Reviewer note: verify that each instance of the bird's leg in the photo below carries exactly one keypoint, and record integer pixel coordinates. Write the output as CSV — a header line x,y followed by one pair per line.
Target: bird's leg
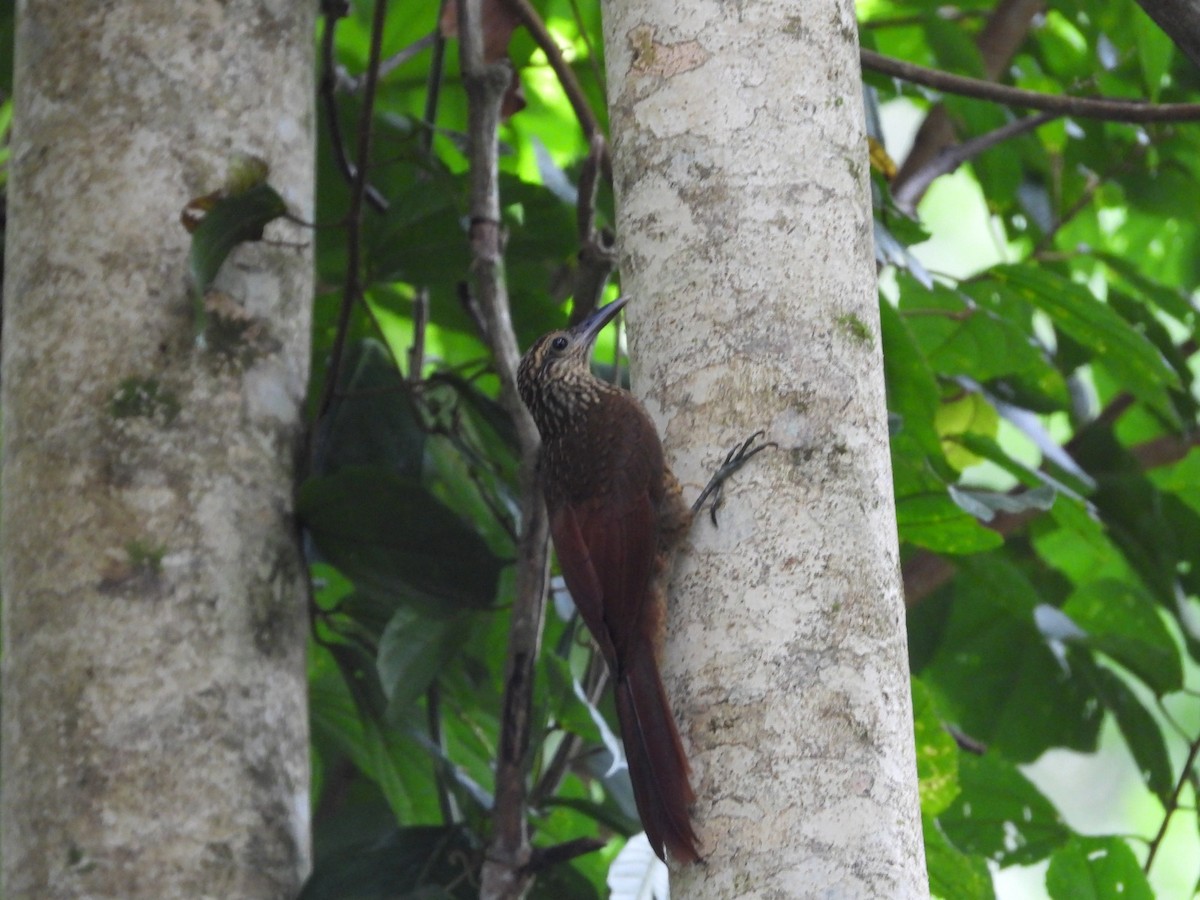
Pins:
x,y
736,458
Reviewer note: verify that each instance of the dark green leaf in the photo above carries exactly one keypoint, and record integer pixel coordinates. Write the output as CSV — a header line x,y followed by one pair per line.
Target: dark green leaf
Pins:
x,y
994,675
1000,814
412,651
1141,731
1116,344
953,875
1121,621
1096,868
409,863
231,221
394,540
372,420
911,387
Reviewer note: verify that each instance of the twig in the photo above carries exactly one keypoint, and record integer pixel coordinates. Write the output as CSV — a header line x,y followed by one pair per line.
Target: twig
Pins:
x,y
1002,35
433,716
950,158
1173,803
416,352
352,292
503,874
548,857
328,92
566,75
433,90
1084,200
1104,108
597,247
396,60
593,59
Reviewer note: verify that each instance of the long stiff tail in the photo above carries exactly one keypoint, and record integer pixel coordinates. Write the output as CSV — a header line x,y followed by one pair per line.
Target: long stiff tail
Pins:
x,y
657,765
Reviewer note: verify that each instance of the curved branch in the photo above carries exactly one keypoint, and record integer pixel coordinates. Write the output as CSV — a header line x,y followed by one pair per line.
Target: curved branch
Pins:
x,y
566,75
1104,108
1173,803
907,194
504,873
360,192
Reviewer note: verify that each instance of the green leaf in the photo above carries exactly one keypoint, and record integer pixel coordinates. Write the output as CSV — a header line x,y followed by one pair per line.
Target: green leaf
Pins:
x,y
412,652
1121,621
397,542
936,522
1138,727
1001,815
994,675
231,221
1122,349
425,862
422,238
372,420
1155,50
953,875
937,754
1096,868
970,339
911,387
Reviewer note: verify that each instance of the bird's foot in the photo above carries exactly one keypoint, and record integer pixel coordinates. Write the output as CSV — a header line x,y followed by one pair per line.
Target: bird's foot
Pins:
x,y
736,458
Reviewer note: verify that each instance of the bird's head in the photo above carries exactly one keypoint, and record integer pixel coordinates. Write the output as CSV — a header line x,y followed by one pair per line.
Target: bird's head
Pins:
x,y
555,376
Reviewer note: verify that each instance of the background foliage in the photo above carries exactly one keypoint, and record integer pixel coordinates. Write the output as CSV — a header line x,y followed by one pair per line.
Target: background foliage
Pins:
x,y
1043,412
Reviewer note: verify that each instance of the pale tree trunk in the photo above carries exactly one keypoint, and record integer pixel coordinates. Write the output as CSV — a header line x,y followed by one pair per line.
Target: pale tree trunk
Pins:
x,y
745,227
154,726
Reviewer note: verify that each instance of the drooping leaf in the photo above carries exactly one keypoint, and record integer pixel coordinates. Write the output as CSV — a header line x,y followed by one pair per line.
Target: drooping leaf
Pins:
x,y
953,875
232,220
1121,621
1141,732
412,651
426,862
1096,868
937,754
1113,341
994,674
1000,814
396,541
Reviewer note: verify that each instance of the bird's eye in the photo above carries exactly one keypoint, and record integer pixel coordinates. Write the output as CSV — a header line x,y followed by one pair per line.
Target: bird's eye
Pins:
x,y
559,343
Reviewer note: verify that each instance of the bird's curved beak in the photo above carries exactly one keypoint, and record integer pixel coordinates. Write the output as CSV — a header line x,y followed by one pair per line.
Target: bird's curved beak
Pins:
x,y
594,324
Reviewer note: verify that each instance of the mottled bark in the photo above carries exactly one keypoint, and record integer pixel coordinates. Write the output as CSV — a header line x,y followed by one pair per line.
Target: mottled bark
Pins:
x,y
155,733
744,221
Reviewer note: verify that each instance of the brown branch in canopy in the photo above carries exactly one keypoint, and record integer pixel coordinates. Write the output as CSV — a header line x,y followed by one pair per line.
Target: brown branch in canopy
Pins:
x,y
1105,108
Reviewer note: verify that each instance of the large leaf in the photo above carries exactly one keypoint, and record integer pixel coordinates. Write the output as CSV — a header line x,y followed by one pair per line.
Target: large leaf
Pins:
x,y
412,652
1112,340
1121,621
953,875
417,863
1141,731
1096,868
937,754
1001,815
372,420
396,541
996,677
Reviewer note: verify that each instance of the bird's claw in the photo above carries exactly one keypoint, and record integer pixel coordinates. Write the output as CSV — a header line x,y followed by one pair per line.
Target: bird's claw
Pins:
x,y
736,458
